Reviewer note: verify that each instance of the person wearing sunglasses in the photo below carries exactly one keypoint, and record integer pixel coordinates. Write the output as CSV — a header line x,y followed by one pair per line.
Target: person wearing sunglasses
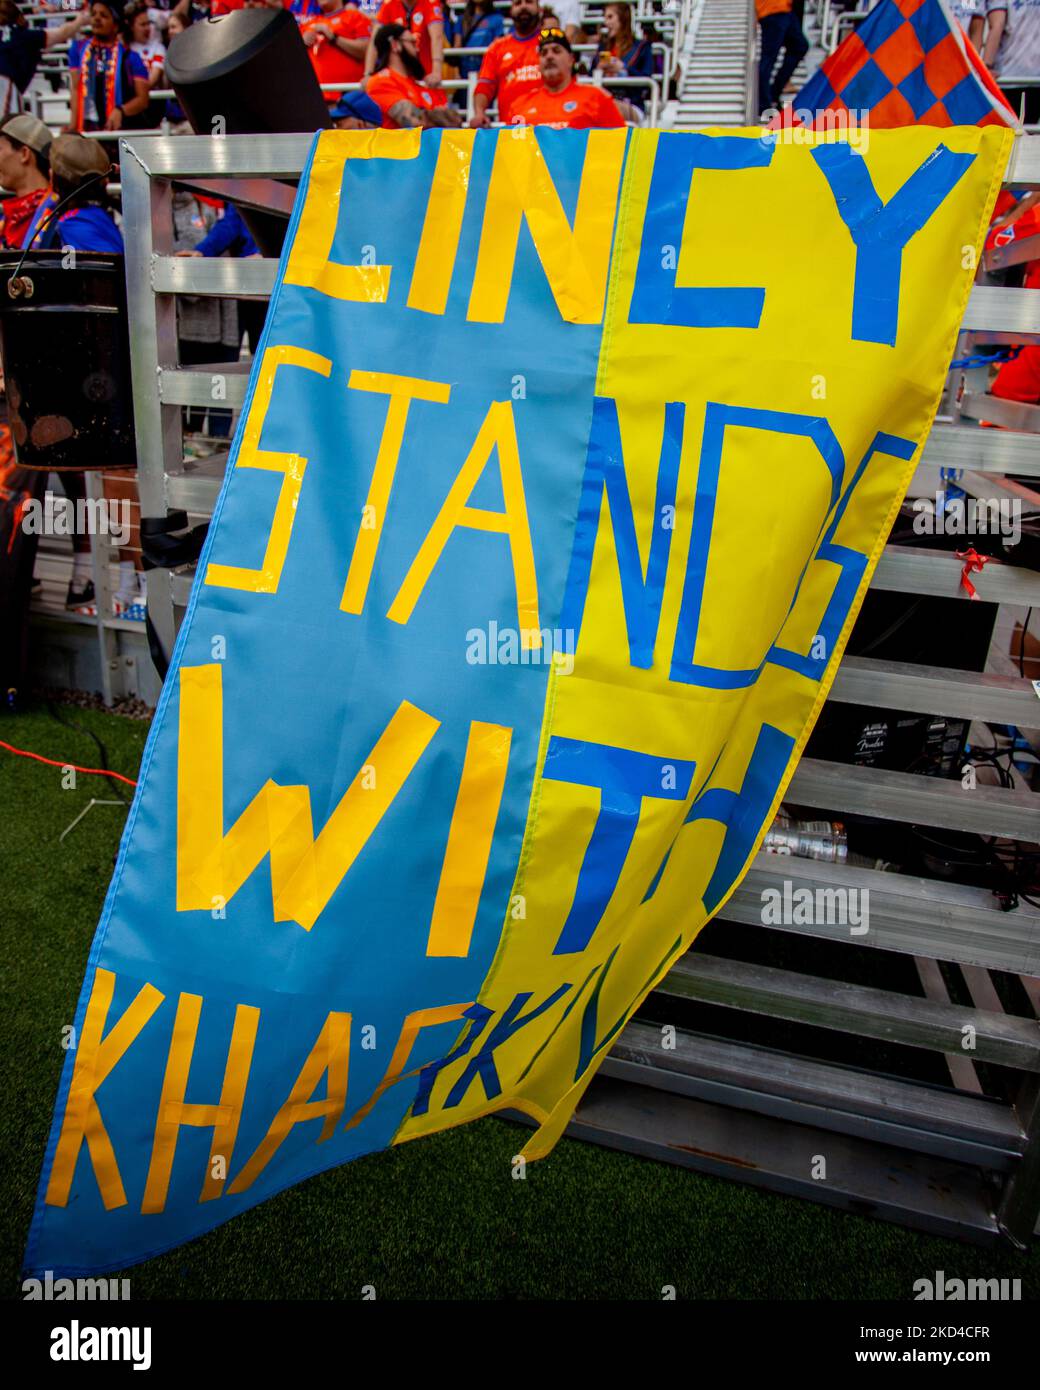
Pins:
x,y
560,101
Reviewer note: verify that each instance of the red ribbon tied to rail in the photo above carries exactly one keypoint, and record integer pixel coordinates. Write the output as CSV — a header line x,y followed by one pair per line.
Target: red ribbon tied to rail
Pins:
x,y
973,563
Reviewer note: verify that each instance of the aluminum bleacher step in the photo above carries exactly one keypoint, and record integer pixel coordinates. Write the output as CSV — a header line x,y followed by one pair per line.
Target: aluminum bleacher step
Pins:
x,y
953,922
715,67
917,800
866,1012
840,1099
994,699
861,1176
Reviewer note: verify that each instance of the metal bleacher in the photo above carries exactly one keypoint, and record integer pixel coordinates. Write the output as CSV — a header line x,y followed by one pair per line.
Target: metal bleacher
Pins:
x,y
717,66
765,1103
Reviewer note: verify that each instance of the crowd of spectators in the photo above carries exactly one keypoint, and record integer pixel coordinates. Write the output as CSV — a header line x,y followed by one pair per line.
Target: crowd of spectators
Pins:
x,y
394,50
57,186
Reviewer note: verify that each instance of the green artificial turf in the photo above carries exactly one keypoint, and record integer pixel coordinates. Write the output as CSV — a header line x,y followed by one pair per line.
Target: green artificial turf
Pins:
x,y
438,1218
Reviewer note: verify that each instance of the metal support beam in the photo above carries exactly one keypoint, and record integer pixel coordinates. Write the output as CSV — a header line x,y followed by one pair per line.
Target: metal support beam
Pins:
x,y
907,796
844,1100
936,691
861,1176
911,915
148,229
870,1013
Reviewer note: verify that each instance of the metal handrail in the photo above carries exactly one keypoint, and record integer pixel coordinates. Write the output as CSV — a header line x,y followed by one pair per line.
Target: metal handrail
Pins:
x,y
751,98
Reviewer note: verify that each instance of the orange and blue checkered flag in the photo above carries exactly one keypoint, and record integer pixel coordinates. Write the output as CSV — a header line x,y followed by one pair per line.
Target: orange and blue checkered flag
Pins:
x,y
908,63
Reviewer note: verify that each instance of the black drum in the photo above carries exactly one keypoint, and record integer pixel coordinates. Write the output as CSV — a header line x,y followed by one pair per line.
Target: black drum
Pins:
x,y
65,347
246,73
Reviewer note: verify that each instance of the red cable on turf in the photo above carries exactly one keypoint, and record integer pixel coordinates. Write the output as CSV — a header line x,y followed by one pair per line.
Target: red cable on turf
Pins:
x,y
93,771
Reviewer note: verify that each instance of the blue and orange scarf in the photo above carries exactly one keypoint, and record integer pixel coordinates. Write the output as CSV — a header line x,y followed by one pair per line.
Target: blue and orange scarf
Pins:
x,y
109,61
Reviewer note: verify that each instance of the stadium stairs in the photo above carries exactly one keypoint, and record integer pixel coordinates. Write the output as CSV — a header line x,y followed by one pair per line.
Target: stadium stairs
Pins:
x,y
718,65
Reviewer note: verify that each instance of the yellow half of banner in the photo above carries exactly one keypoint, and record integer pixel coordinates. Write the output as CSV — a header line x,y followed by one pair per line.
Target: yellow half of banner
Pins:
x,y
748,478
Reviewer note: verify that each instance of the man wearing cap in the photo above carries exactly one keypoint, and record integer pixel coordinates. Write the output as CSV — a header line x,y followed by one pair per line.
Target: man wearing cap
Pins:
x,y
337,42
109,81
74,214
25,144
356,111
397,85
560,101
510,68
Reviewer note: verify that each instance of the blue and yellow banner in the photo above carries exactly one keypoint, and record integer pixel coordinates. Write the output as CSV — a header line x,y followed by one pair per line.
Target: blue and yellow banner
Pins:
x,y
565,461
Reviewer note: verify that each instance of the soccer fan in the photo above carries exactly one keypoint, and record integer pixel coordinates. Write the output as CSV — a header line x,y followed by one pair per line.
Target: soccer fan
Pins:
x,y
567,16
397,85
560,101
109,81
143,37
337,42
228,236
231,237
222,7
1012,49
1019,379
970,15
20,49
82,222
207,326
25,171
621,54
172,109
480,26
510,68
781,29
356,111
425,19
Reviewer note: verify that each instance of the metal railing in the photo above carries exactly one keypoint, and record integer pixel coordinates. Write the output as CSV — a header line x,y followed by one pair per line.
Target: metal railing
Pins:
x,y
649,85
751,103
655,86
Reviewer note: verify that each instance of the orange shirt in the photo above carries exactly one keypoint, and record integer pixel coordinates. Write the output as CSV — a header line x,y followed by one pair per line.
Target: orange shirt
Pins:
x,y
764,8
575,108
418,18
510,70
331,64
386,88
